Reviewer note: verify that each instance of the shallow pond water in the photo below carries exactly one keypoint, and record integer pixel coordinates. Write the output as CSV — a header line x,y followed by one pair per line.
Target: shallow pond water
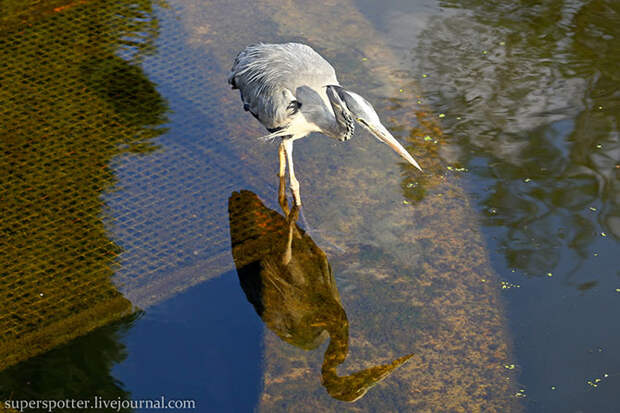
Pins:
x,y
144,250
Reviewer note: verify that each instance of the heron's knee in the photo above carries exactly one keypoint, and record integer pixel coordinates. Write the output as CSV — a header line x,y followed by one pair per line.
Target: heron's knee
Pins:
x,y
294,184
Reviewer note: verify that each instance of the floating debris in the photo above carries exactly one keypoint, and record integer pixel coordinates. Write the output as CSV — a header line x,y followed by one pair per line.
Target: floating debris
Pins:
x,y
509,366
520,393
428,138
484,52
552,387
406,202
442,115
603,234
508,285
527,180
549,274
364,59
424,75
599,146
502,43
592,209
401,90
618,290
458,118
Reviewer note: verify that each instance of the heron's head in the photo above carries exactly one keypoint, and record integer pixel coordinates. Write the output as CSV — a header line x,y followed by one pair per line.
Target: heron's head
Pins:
x,y
349,106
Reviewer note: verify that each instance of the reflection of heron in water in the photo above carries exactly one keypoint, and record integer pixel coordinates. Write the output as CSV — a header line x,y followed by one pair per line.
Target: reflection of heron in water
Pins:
x,y
289,281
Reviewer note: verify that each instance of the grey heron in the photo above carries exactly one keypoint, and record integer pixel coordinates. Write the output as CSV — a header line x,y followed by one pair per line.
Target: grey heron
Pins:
x,y
293,91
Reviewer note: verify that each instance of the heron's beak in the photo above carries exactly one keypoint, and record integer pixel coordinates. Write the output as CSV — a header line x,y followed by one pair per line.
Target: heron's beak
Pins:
x,y
385,136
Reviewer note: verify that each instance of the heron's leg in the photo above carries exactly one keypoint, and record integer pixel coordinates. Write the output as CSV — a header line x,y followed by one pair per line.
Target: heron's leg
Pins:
x,y
282,188
282,158
294,183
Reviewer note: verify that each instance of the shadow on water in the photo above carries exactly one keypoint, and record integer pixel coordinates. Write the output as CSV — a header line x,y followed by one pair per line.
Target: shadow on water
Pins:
x,y
290,283
72,98
80,370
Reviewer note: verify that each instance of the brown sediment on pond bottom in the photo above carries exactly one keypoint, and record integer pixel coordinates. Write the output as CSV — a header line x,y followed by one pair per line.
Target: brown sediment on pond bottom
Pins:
x,y
415,277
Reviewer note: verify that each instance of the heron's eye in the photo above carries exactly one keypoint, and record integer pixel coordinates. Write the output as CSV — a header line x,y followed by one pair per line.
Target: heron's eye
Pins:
x,y
293,107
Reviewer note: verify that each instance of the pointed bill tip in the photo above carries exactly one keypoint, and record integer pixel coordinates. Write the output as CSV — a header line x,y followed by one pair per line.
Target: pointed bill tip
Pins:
x,y
413,162
387,138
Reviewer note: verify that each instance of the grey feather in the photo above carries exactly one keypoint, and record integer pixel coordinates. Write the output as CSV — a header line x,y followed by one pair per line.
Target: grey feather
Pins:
x,y
269,74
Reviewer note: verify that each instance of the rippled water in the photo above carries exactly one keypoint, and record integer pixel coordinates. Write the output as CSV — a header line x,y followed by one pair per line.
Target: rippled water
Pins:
x,y
145,252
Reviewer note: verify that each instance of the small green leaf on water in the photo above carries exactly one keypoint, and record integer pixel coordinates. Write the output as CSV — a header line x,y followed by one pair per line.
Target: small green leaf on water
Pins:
x,y
364,59
502,43
605,375
600,108
599,146
552,387
458,118
449,168
442,115
527,180
618,290
549,274
425,75
428,138
401,90
419,101
592,209
603,234
484,52
596,254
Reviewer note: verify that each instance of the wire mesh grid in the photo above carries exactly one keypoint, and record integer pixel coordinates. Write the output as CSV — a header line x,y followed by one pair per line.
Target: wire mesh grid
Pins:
x,y
100,201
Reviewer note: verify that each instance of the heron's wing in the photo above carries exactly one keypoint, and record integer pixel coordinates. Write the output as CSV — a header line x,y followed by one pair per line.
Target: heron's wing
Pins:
x,y
268,74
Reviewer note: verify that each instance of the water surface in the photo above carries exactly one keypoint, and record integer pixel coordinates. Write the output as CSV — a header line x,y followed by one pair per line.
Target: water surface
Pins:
x,y
496,269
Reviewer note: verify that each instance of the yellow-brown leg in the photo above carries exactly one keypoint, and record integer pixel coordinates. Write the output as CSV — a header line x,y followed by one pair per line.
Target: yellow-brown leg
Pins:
x,y
282,174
